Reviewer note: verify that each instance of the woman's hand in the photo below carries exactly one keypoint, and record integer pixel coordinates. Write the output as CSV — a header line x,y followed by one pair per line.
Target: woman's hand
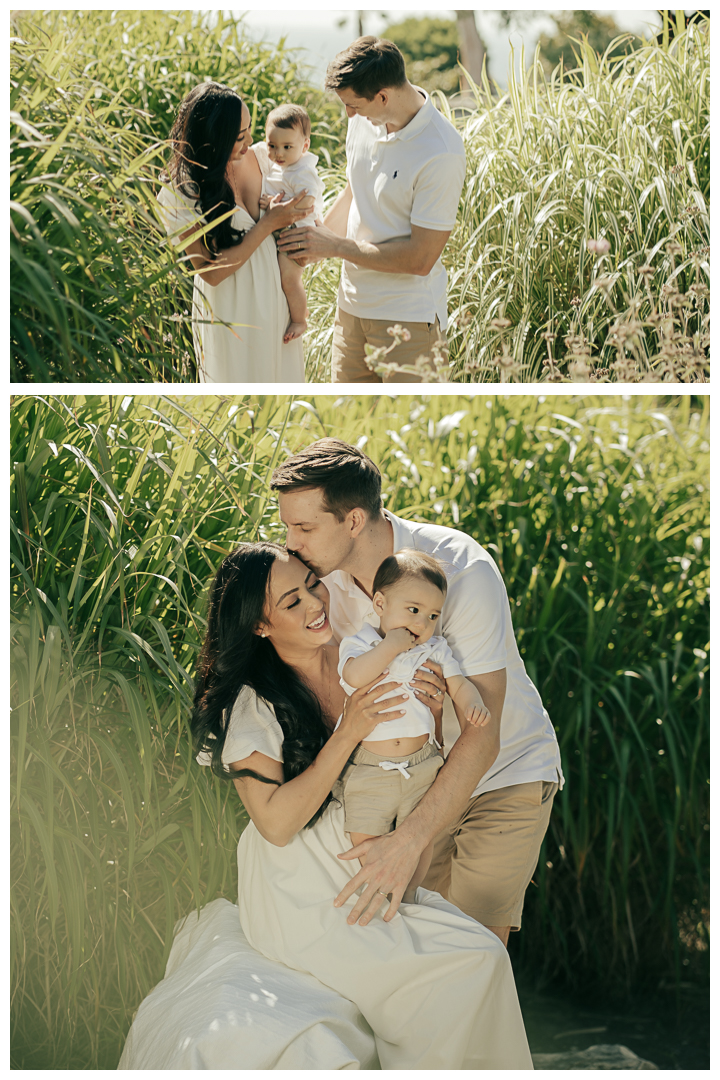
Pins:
x,y
283,214
363,710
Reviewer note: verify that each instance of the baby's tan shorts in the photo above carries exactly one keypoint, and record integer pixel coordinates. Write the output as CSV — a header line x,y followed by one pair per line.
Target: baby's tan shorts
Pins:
x,y
377,800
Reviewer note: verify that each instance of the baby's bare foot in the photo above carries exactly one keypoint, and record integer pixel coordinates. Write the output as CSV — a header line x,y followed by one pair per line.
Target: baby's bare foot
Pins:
x,y
294,330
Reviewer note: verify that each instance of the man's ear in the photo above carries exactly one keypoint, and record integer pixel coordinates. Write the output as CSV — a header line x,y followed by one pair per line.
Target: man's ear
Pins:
x,y
358,520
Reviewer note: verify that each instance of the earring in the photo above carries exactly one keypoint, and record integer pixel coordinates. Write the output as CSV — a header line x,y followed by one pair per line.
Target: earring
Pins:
x,y
263,634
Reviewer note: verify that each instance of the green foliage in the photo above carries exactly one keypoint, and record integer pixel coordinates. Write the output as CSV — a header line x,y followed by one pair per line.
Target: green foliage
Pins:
x,y
596,511
431,50
598,28
96,291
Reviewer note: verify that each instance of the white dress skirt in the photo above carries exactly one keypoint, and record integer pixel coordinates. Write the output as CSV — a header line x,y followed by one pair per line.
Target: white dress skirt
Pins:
x,y
291,985
238,325
435,987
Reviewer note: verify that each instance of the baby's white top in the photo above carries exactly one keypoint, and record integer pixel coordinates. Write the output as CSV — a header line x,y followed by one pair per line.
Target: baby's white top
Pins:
x,y
292,179
418,720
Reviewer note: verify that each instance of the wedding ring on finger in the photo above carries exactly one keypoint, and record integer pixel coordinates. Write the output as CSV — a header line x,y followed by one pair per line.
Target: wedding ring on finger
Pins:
x,y
383,893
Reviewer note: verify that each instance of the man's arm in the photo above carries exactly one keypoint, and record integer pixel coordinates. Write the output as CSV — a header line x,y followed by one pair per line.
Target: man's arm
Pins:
x,y
336,218
390,860
415,254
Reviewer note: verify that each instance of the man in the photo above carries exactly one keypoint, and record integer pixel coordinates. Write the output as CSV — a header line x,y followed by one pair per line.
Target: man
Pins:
x,y
405,172
489,807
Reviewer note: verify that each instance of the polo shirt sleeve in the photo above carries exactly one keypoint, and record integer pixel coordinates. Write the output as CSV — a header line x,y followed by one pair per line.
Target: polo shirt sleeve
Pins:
x,y
476,617
437,192
252,728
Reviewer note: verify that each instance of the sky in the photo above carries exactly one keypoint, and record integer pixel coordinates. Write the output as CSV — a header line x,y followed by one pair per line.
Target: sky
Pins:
x,y
319,33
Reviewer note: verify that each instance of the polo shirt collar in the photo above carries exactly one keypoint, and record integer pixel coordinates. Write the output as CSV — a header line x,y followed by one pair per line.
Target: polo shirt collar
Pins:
x,y
418,122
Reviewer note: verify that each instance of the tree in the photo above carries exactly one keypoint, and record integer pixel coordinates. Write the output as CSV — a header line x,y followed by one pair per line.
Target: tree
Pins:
x,y
472,49
598,28
431,48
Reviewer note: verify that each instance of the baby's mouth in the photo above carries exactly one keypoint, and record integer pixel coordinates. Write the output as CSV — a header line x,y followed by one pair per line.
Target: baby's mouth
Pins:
x,y
319,623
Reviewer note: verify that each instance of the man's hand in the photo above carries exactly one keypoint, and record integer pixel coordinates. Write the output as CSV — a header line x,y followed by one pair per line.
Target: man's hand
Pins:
x,y
309,244
390,862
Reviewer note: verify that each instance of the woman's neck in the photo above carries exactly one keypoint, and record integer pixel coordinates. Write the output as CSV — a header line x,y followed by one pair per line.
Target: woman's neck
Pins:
x,y
318,670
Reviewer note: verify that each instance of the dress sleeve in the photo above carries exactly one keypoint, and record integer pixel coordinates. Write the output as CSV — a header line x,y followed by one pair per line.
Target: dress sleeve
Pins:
x,y
437,192
252,728
178,213
476,619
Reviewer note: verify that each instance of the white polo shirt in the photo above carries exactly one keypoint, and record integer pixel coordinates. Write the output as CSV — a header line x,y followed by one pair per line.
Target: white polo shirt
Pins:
x,y
477,625
412,176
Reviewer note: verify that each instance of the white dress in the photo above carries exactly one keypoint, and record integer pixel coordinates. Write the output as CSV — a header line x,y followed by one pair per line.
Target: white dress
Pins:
x,y
238,325
433,987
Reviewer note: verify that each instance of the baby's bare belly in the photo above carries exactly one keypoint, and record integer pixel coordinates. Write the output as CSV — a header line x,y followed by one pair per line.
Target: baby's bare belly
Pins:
x,y
396,747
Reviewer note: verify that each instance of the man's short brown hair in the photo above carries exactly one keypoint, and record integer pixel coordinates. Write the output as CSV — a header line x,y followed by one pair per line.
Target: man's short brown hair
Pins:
x,y
367,66
346,476
290,116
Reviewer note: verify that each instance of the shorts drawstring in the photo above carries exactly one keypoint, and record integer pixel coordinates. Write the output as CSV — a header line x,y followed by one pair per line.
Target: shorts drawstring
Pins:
x,y
401,767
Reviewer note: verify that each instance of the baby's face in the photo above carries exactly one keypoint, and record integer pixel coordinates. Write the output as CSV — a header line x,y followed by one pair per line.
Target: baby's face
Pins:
x,y
412,603
286,145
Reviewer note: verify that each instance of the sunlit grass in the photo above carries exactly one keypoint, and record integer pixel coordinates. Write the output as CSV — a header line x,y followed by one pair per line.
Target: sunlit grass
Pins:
x,y
596,511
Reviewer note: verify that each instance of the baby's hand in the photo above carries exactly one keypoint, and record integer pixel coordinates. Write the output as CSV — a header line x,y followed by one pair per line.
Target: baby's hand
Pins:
x,y
400,638
477,715
265,201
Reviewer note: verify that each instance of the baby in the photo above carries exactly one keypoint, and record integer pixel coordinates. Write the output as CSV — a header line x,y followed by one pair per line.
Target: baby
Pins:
x,y
287,168
390,771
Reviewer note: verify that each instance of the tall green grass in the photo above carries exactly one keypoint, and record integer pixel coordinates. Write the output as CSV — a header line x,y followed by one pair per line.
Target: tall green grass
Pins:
x,y
596,511
97,293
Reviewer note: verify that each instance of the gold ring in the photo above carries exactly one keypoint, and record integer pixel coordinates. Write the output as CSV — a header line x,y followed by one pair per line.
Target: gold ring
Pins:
x,y
383,893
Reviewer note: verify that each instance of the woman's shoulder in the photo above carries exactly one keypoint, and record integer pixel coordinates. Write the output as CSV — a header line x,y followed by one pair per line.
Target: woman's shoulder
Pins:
x,y
174,197
252,727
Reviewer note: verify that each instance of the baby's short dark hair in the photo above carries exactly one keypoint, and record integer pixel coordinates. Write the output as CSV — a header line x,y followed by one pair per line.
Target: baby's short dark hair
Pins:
x,y
290,116
409,563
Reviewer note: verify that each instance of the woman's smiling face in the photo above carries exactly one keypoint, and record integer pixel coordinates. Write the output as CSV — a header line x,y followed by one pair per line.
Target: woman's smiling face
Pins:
x,y
296,610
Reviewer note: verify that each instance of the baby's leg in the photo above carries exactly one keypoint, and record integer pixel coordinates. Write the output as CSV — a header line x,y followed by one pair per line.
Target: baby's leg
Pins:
x,y
292,286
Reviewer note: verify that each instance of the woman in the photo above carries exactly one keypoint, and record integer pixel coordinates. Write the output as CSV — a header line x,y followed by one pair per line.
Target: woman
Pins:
x,y
435,986
239,310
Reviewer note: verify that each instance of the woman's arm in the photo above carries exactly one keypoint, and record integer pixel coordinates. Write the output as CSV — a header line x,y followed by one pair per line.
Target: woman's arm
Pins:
x,y
231,259
280,812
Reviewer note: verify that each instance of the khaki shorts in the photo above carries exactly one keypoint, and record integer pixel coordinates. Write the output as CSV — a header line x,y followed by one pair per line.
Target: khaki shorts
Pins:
x,y
375,800
483,863
351,335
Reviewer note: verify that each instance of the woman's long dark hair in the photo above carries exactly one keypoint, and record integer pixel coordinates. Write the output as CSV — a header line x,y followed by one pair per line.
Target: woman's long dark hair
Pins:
x,y
203,136
234,656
